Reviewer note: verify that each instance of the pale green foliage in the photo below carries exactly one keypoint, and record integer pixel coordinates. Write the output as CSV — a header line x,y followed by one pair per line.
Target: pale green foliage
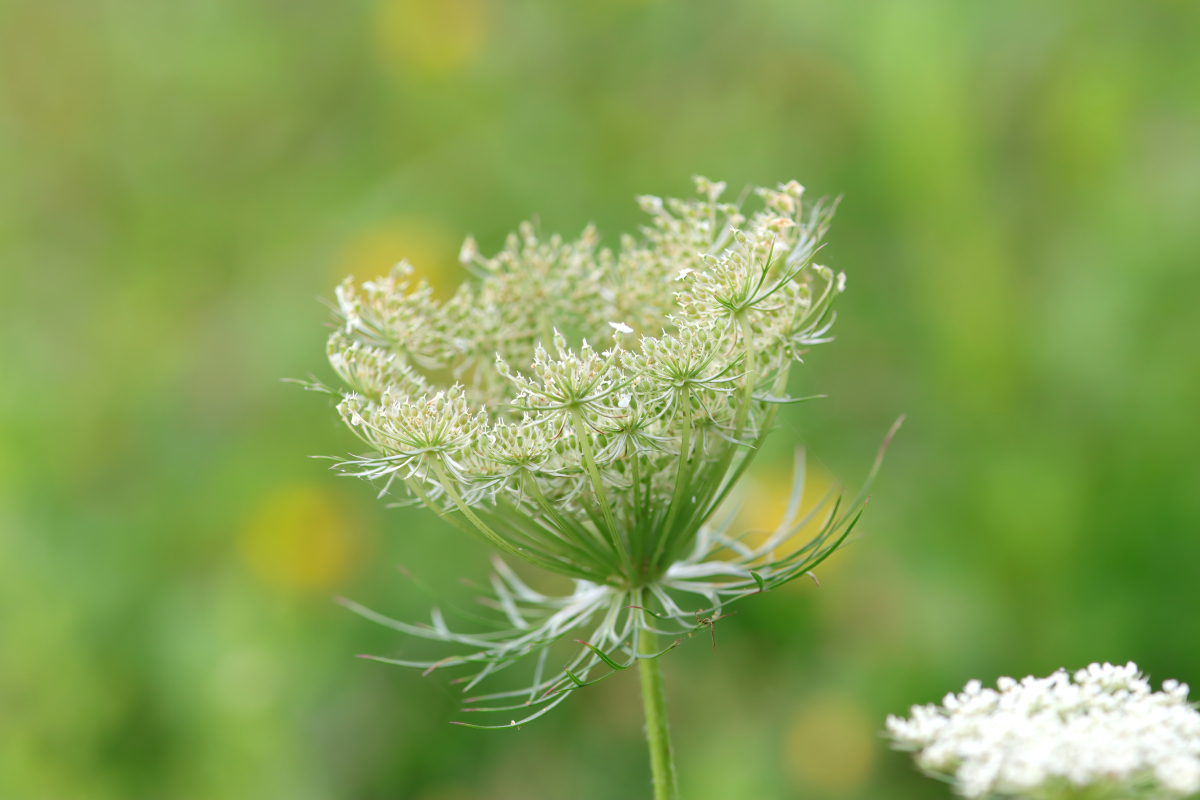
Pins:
x,y
589,411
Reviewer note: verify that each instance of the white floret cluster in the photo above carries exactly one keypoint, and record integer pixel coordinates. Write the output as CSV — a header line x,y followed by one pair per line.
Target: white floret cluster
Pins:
x,y
1106,733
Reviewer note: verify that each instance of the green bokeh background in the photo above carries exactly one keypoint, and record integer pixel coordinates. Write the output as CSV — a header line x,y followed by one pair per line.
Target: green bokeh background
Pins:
x,y
180,181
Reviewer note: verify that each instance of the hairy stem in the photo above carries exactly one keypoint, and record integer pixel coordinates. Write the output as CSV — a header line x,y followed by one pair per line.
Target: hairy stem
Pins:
x,y
654,700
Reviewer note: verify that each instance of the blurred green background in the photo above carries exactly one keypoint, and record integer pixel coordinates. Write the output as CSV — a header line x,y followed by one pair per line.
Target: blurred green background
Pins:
x,y
180,181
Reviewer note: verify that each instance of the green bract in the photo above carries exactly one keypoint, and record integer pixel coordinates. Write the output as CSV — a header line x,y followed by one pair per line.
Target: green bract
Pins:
x,y
589,411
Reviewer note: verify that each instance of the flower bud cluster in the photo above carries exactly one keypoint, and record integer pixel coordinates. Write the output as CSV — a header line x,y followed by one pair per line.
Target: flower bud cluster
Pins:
x,y
687,364
415,429
383,313
617,457
1106,731
589,409
519,446
569,383
371,371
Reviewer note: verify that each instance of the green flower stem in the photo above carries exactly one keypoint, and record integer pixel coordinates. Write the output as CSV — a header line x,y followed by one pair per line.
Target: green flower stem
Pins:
x,y
585,540
589,461
722,490
724,482
491,535
681,476
658,735
723,486
415,486
751,373
636,541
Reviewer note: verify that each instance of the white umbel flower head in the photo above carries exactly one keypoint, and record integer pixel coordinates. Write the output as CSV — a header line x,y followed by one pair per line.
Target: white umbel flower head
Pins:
x,y
589,411
1106,733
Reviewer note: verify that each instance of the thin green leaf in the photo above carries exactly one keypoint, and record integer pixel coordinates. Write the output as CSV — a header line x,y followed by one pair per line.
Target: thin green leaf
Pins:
x,y
602,655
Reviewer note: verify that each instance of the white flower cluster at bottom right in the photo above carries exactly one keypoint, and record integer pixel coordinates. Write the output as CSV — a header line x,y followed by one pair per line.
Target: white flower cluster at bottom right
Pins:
x,y
1047,737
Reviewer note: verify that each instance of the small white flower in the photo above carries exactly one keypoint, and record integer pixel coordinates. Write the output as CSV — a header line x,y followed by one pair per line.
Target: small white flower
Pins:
x,y
1051,737
620,327
683,273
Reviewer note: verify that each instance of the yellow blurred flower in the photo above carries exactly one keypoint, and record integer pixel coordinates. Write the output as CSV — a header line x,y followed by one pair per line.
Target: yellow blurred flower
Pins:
x,y
429,37
297,539
765,503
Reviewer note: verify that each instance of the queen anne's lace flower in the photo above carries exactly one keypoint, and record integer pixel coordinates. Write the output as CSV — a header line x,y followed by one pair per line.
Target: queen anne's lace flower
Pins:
x,y
1106,732
602,462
